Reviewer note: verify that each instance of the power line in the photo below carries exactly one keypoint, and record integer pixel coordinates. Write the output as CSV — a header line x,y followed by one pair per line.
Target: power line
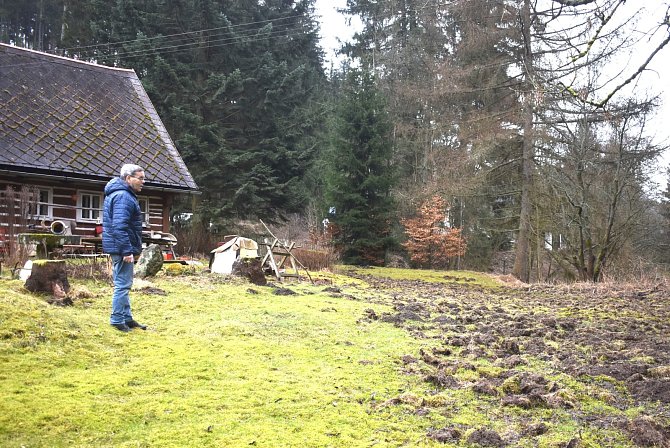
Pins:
x,y
177,47
221,42
186,34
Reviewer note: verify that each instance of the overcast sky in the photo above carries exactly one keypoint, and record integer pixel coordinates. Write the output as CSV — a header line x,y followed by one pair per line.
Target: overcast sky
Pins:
x,y
333,26
656,78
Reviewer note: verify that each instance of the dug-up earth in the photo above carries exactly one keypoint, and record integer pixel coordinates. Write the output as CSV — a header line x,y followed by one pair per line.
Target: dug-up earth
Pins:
x,y
593,359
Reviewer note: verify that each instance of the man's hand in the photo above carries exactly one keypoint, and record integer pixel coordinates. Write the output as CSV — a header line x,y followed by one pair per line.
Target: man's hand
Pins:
x,y
129,258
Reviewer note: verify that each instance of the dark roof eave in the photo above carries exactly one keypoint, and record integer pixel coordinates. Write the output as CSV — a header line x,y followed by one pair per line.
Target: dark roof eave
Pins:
x,y
101,180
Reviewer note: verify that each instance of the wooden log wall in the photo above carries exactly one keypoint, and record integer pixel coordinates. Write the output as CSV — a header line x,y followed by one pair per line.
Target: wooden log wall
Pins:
x,y
16,201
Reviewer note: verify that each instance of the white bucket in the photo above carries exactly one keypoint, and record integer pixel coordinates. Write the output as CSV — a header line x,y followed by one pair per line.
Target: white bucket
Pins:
x,y
26,270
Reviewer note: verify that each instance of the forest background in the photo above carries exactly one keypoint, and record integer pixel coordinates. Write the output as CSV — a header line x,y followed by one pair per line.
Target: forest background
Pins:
x,y
522,120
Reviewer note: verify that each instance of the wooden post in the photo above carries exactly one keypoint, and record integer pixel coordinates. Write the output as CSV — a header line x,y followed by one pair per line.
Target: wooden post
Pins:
x,y
284,250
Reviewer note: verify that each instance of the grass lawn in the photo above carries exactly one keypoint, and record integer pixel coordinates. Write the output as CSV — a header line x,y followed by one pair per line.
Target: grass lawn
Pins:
x,y
366,357
222,364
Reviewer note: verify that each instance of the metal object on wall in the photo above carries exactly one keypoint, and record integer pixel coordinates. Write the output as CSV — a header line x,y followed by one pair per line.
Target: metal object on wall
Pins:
x,y
61,227
58,227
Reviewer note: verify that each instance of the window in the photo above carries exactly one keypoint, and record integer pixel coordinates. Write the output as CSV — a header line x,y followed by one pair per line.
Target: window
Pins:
x,y
42,207
89,206
144,208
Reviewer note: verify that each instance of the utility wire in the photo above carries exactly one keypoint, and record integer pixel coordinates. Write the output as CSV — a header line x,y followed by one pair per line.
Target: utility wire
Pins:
x,y
186,34
162,50
220,42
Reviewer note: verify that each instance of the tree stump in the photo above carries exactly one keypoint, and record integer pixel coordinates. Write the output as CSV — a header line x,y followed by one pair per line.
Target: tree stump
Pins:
x,y
50,276
251,269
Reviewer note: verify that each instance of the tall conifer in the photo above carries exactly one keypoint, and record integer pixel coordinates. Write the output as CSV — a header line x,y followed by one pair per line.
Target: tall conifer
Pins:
x,y
361,174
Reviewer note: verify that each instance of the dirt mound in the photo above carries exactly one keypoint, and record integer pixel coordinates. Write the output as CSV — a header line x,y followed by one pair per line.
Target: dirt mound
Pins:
x,y
646,432
486,437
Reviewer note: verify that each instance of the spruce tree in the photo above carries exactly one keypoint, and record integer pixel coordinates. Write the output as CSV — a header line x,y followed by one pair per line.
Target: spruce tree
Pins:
x,y
237,85
361,175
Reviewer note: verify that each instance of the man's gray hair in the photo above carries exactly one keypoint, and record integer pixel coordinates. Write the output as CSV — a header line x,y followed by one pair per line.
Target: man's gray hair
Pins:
x,y
129,169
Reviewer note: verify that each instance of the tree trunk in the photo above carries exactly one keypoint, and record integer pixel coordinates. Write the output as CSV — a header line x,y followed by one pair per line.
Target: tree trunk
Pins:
x,y
539,245
40,28
522,254
63,25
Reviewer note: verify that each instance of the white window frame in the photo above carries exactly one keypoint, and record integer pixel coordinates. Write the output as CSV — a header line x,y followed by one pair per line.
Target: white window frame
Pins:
x,y
41,206
81,209
144,208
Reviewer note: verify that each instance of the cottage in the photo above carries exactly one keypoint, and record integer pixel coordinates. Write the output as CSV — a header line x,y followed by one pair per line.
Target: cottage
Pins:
x,y
66,127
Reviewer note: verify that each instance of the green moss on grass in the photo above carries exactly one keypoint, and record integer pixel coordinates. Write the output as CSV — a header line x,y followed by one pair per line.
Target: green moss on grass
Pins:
x,y
227,363
219,366
427,275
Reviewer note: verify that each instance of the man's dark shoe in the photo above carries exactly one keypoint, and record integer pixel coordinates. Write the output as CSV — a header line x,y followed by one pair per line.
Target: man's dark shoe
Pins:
x,y
122,327
135,324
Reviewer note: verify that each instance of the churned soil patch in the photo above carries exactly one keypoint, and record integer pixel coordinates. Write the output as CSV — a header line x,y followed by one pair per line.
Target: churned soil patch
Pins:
x,y
614,340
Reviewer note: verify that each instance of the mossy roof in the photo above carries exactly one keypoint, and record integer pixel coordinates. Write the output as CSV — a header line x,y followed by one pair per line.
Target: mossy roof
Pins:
x,y
69,118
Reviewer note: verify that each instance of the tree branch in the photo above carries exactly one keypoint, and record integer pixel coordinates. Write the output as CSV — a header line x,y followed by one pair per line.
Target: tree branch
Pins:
x,y
574,2
634,75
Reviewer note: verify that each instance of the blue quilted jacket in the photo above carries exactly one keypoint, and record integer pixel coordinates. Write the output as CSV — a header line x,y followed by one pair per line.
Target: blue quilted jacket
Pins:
x,y
121,219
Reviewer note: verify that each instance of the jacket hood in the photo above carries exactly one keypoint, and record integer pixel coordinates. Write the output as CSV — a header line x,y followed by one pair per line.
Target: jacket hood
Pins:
x,y
117,184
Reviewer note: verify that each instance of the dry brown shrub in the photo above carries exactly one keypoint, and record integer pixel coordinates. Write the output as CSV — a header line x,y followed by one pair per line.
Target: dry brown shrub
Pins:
x,y
626,275
194,240
637,271
430,242
296,228
94,268
17,206
316,260
509,280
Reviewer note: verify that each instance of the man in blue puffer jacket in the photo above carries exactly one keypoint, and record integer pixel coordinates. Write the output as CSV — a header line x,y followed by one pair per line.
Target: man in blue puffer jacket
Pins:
x,y
122,239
